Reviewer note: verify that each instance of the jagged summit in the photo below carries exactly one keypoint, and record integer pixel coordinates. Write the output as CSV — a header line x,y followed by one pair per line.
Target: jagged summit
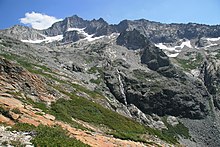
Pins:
x,y
154,31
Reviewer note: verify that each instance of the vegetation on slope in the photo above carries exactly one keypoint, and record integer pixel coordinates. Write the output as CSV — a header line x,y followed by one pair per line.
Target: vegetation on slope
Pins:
x,y
176,130
119,126
49,136
192,63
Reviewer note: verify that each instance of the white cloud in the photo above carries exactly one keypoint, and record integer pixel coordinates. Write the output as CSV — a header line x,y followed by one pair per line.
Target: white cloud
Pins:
x,y
38,21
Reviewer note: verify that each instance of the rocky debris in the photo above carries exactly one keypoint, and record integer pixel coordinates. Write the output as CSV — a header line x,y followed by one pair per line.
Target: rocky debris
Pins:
x,y
7,67
12,103
172,120
139,116
14,138
205,132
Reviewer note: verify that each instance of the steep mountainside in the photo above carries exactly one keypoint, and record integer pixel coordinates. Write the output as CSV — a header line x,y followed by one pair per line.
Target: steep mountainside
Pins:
x,y
149,82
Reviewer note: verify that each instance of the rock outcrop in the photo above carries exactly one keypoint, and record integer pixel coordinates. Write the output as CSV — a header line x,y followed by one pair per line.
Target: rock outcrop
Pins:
x,y
132,40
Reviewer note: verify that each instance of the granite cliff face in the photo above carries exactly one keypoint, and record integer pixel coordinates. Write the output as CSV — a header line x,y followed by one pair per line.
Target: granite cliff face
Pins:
x,y
154,73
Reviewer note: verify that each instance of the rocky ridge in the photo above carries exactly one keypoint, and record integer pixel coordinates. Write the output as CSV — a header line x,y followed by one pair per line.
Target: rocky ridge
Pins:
x,y
154,31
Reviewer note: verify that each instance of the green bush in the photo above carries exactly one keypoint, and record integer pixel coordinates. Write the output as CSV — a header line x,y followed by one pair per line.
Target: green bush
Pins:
x,y
16,110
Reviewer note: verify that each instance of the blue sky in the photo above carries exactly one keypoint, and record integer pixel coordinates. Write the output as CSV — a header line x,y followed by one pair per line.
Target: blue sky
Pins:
x,y
113,11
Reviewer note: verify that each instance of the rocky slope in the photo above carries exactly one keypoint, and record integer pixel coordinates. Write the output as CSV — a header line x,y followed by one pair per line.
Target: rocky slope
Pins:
x,y
164,76
24,97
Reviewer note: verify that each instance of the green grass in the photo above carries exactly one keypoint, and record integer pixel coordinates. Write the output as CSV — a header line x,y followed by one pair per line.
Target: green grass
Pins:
x,y
23,127
93,94
95,69
176,131
191,64
49,136
39,105
96,81
88,111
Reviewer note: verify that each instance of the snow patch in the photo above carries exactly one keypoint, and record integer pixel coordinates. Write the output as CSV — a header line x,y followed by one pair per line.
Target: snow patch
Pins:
x,y
172,55
213,39
162,46
173,51
46,40
75,29
211,45
87,36
186,43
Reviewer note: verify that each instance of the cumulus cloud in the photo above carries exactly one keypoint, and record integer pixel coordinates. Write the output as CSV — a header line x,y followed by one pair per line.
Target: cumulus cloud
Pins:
x,y
38,21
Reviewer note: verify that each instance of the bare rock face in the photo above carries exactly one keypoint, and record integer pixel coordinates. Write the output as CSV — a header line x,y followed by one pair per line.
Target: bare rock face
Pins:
x,y
164,97
154,57
72,36
61,27
132,40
